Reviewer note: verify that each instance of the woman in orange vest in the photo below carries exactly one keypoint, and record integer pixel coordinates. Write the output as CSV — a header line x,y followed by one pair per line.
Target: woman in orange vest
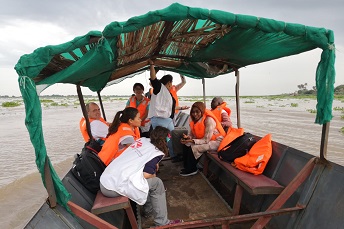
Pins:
x,y
123,131
173,91
206,133
140,102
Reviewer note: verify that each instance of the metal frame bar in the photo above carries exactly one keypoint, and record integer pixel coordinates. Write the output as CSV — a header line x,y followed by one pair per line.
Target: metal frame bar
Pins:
x,y
101,104
83,109
324,141
237,98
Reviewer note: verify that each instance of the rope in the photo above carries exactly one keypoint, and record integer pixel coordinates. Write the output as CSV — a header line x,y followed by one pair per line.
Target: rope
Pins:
x,y
22,81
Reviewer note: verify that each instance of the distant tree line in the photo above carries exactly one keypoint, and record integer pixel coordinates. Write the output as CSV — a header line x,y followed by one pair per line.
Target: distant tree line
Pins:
x,y
339,90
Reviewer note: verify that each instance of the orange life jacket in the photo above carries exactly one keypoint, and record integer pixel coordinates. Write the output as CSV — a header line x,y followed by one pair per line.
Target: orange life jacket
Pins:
x,y
142,107
218,110
110,148
257,158
83,128
173,92
231,135
198,128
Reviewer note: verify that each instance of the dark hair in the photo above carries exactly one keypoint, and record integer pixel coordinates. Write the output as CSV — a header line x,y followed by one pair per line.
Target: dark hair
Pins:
x,y
158,138
122,117
166,78
138,85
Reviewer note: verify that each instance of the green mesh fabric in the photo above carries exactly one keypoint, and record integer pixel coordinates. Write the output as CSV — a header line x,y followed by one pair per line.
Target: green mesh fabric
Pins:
x,y
251,40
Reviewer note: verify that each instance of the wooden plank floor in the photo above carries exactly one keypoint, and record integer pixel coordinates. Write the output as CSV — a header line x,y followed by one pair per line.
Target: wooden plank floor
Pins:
x,y
188,198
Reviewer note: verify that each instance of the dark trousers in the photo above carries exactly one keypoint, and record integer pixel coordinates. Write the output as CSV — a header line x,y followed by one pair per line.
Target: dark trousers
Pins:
x,y
190,162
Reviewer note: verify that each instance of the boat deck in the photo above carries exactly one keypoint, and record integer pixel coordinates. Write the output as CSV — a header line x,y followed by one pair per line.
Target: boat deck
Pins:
x,y
188,198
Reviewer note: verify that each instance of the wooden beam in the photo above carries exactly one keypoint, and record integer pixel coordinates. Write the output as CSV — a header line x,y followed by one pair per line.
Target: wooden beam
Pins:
x,y
168,28
127,70
89,217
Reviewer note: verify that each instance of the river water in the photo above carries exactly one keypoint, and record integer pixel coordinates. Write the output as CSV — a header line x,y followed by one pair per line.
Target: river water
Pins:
x,y
21,191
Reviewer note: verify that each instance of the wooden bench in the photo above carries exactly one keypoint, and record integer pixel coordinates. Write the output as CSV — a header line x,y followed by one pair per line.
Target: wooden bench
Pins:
x,y
104,204
253,184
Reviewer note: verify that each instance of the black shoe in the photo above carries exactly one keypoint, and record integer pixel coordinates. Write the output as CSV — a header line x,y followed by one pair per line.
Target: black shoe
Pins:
x,y
186,173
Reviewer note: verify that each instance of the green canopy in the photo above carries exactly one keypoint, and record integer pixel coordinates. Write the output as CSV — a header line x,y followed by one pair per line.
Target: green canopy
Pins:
x,y
198,43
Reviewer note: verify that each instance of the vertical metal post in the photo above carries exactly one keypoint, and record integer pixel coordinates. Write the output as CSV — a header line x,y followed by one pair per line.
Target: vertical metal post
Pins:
x,y
84,112
101,105
324,141
203,82
237,99
49,185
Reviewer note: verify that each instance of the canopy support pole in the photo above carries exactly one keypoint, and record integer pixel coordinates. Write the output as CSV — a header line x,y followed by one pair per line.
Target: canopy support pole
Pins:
x,y
84,112
237,99
101,104
49,185
203,83
324,140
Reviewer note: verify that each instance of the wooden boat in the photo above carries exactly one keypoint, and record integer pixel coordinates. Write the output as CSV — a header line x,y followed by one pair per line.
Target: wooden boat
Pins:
x,y
300,191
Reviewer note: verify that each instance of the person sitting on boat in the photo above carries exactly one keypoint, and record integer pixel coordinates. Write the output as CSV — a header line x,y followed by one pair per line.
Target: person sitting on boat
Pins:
x,y
221,112
123,131
174,89
133,174
99,127
206,133
139,101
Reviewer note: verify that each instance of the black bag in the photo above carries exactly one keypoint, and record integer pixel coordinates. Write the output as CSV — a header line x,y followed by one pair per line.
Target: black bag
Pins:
x,y
237,148
88,167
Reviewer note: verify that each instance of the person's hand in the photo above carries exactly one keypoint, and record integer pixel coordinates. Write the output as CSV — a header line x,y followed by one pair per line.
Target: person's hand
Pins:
x,y
184,107
186,139
150,62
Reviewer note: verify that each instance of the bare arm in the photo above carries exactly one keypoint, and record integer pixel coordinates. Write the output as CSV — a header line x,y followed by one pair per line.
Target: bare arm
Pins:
x,y
226,121
152,70
181,84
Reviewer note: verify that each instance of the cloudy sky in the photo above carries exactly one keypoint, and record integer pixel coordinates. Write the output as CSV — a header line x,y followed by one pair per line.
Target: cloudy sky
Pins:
x,y
27,25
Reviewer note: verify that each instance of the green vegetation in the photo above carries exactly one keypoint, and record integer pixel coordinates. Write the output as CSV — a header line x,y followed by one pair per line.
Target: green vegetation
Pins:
x,y
312,111
342,117
339,90
338,108
11,104
47,101
294,104
249,101
304,91
342,130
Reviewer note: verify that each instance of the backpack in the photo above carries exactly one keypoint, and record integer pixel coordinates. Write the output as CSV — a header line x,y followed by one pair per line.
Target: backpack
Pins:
x,y
237,148
88,167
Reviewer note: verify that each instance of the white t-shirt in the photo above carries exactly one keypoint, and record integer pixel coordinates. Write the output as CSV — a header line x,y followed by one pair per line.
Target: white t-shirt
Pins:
x,y
99,129
124,174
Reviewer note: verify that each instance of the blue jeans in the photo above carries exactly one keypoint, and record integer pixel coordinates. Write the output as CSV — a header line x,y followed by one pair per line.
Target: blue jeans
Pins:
x,y
164,122
167,123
